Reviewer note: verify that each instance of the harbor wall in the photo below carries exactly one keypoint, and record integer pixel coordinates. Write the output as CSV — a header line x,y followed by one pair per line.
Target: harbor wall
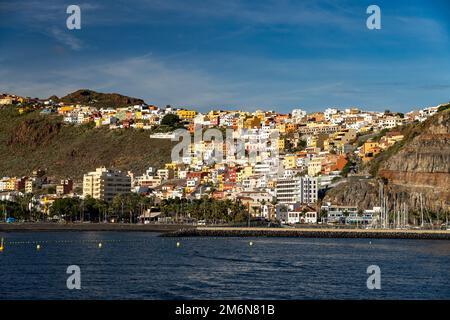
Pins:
x,y
312,233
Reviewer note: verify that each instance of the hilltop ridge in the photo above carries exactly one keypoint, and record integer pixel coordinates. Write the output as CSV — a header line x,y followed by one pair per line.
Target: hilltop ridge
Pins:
x,y
98,99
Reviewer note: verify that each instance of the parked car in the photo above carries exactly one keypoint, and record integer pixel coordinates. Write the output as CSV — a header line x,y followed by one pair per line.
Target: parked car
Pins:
x,y
10,220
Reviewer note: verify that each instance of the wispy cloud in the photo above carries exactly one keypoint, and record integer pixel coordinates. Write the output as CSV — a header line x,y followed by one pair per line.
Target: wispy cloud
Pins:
x,y
247,54
66,38
45,17
316,84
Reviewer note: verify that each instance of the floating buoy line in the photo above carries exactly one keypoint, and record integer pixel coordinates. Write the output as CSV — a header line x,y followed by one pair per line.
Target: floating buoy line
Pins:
x,y
70,241
99,243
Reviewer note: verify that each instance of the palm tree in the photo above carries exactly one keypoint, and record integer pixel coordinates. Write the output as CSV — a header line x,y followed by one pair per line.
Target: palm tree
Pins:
x,y
24,202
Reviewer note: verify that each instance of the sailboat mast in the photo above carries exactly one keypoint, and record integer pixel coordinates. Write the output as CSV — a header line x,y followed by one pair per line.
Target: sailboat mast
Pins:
x,y
421,210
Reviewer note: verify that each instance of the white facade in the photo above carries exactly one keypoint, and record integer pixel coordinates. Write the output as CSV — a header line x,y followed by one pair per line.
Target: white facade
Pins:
x,y
297,189
104,184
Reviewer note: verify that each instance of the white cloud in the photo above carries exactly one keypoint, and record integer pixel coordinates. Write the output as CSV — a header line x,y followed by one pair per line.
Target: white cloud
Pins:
x,y
66,38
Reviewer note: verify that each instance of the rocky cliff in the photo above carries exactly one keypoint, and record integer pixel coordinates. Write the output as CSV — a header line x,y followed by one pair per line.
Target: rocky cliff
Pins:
x,y
417,167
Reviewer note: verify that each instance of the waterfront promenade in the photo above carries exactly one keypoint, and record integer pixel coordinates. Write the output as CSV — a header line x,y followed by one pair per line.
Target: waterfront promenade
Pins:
x,y
48,227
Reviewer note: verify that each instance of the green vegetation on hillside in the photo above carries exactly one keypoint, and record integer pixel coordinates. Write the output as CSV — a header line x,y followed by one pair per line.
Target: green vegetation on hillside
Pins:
x,y
444,107
33,141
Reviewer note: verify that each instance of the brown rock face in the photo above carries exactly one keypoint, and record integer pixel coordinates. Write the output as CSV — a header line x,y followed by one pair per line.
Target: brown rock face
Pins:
x,y
423,164
355,192
420,168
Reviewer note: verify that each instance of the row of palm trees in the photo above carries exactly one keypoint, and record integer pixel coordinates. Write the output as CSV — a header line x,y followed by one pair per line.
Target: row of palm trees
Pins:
x,y
206,208
125,207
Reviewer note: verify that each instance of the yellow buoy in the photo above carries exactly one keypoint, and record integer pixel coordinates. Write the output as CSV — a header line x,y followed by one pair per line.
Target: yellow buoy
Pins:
x,y
2,247
251,243
38,247
178,244
100,245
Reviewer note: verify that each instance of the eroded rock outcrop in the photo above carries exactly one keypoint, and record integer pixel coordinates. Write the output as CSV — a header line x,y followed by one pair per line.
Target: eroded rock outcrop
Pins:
x,y
420,168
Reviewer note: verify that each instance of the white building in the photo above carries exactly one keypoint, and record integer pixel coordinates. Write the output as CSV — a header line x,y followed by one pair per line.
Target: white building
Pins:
x,y
297,189
298,115
104,184
296,213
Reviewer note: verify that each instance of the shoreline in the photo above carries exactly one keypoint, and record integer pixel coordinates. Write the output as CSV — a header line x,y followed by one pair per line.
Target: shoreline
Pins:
x,y
72,227
311,233
179,230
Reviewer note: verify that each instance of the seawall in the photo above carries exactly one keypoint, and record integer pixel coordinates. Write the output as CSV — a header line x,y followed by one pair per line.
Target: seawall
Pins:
x,y
311,233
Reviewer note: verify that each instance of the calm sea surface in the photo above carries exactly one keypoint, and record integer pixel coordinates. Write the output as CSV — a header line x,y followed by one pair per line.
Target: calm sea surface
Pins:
x,y
144,266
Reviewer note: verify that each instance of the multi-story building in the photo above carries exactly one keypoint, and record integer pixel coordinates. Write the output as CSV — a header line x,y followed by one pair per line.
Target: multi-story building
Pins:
x,y
65,187
369,150
104,184
389,122
297,189
315,165
186,114
316,128
30,186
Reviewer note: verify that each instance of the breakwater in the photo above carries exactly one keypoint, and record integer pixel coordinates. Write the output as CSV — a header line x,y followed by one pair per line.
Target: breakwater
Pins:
x,y
311,233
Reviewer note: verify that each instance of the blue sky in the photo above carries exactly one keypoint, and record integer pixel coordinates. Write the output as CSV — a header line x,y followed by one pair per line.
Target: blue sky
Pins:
x,y
232,54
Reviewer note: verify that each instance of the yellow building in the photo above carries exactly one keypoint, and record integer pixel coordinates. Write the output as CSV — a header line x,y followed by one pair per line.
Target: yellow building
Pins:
x,y
171,165
291,127
98,122
248,171
281,144
290,161
239,175
65,109
5,100
186,114
281,127
369,150
368,146
11,184
260,115
315,166
252,122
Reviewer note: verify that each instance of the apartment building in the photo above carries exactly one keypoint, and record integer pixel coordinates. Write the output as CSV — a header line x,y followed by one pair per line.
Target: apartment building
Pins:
x,y
297,189
65,187
104,183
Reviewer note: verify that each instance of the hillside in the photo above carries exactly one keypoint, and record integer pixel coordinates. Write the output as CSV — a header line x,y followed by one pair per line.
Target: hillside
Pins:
x,y
98,100
34,141
417,166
